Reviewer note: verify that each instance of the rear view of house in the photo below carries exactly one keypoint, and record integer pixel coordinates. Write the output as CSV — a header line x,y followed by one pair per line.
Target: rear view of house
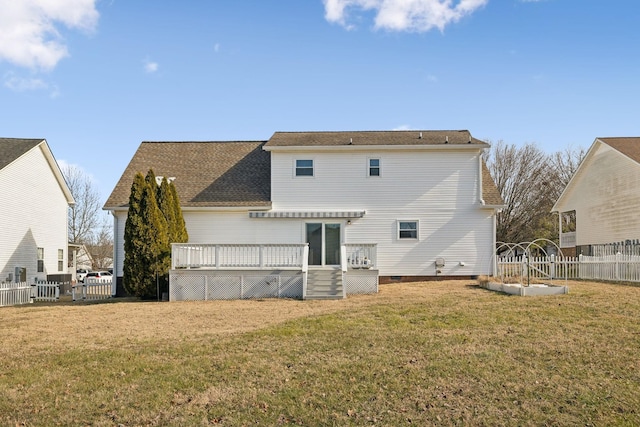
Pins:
x,y
35,201
348,209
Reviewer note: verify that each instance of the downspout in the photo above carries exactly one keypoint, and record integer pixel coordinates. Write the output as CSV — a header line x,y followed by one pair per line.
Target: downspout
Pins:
x,y
114,278
480,179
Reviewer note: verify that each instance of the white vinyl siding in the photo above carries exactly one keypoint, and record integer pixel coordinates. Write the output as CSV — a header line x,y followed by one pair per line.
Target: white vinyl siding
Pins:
x,y
438,188
606,196
34,215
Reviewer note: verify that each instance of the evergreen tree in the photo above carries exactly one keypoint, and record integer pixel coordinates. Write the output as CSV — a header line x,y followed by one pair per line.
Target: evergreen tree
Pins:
x,y
134,267
156,241
146,239
181,235
154,222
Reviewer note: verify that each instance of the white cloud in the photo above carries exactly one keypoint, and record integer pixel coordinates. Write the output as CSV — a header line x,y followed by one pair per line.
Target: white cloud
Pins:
x,y
150,66
404,15
20,84
23,84
29,35
403,127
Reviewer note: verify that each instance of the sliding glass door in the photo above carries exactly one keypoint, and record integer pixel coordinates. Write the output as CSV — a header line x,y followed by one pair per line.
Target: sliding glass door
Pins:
x,y
324,243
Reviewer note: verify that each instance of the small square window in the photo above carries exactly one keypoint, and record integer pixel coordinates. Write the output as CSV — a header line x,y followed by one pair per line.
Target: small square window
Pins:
x,y
374,167
304,167
407,229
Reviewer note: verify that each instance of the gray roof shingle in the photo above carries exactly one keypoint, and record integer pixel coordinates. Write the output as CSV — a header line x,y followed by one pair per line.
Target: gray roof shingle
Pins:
x,y
237,173
12,148
400,137
208,174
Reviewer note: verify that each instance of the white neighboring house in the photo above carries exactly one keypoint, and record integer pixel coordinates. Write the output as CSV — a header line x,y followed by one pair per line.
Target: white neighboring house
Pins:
x,y
35,201
601,202
417,204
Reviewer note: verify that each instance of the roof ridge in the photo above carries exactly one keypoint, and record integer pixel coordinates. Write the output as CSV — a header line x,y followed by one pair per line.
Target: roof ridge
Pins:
x,y
204,141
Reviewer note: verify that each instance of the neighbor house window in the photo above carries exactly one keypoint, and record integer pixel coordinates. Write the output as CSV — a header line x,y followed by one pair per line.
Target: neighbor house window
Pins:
x,y
407,229
304,167
40,260
60,259
374,167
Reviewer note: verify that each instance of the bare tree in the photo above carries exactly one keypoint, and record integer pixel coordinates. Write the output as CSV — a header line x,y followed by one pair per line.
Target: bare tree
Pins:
x,y
521,175
530,181
101,245
83,217
565,163
88,225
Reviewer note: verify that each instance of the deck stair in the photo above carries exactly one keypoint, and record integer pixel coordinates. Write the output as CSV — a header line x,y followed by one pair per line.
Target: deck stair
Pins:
x,y
324,284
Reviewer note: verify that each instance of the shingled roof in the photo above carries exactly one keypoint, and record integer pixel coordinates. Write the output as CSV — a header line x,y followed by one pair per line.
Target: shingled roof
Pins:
x,y
404,137
237,173
207,174
629,146
12,148
490,193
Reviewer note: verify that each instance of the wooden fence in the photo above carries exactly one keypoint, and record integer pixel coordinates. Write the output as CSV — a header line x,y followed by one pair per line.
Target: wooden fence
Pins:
x,y
619,267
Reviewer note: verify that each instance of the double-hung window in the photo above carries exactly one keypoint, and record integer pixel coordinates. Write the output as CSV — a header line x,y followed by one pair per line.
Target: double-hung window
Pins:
x,y
304,167
374,167
407,229
40,260
60,259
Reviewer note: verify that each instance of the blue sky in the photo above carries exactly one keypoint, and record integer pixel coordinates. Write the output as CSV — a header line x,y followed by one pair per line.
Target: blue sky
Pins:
x,y
97,77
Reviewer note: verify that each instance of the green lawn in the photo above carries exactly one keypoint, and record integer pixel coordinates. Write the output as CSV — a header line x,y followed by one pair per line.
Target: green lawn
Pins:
x,y
441,353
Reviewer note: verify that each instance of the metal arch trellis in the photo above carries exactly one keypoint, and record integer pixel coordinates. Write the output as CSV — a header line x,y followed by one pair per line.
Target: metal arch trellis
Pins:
x,y
526,248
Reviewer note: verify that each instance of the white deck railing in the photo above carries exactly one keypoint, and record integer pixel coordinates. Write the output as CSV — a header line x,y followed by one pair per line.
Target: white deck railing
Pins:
x,y
361,255
188,255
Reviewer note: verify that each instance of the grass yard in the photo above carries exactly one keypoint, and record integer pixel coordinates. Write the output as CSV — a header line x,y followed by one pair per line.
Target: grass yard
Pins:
x,y
434,353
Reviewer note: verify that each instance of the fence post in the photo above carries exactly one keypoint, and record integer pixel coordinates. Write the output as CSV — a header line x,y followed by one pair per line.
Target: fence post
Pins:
x,y
552,267
580,266
617,266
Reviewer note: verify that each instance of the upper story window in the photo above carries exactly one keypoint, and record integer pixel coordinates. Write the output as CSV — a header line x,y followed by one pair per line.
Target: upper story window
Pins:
x,y
407,229
374,167
304,167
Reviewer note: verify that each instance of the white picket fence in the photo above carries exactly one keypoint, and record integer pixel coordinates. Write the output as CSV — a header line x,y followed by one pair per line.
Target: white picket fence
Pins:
x,y
93,289
25,293
617,268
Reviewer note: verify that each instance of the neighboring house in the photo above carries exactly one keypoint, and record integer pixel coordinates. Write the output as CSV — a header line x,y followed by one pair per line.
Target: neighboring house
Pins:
x,y
600,204
80,261
415,204
35,201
